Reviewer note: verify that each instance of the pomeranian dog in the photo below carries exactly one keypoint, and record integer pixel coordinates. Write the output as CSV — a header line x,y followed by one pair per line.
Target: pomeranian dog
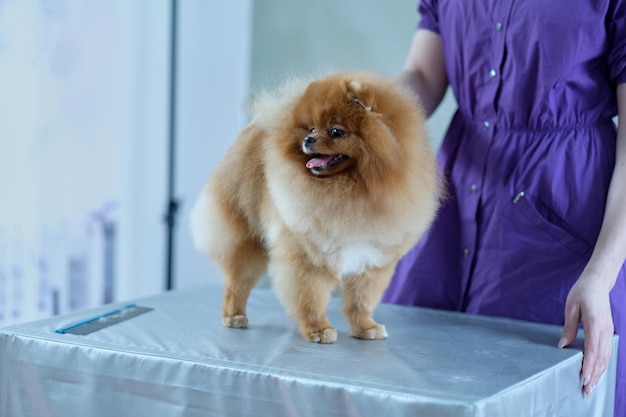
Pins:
x,y
331,183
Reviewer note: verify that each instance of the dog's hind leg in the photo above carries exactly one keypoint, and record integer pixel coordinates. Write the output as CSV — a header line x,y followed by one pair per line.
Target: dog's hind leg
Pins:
x,y
242,271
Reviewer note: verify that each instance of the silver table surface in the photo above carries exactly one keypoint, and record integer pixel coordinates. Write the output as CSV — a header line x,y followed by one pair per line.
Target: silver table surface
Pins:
x,y
178,360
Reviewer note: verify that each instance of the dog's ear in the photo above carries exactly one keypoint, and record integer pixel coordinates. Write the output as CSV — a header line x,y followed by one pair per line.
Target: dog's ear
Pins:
x,y
360,94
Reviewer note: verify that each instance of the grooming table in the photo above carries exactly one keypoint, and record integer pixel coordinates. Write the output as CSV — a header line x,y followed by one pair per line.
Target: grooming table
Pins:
x,y
172,357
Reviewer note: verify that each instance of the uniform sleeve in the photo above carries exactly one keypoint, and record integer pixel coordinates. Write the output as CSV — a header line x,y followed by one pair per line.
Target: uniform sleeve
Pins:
x,y
616,31
430,16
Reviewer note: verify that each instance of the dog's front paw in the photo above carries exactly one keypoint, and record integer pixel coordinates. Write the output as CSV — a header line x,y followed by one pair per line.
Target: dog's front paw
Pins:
x,y
238,321
328,335
377,332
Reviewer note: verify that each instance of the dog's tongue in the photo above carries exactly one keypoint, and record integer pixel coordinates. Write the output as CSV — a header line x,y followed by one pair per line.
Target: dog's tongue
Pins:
x,y
318,162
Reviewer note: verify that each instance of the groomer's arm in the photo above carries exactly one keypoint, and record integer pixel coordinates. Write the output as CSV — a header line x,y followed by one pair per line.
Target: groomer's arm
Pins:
x,y
588,301
424,70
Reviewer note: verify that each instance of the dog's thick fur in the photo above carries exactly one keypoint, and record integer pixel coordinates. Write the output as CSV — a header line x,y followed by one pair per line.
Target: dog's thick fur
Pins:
x,y
278,198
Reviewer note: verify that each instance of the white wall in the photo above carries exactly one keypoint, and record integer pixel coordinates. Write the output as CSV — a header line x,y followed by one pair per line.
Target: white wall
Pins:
x,y
299,36
66,108
213,86
143,161
84,93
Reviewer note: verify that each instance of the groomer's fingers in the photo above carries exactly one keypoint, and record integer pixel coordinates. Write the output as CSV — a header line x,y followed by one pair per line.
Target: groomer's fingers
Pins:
x,y
590,353
597,352
570,328
603,358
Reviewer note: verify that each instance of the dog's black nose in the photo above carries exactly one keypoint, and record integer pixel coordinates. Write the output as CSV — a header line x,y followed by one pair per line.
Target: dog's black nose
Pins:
x,y
309,140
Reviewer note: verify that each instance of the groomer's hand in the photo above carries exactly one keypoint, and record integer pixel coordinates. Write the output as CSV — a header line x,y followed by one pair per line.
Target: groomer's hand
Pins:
x,y
588,303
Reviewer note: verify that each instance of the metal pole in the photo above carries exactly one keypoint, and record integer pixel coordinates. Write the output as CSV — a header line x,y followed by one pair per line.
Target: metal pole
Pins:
x,y
172,203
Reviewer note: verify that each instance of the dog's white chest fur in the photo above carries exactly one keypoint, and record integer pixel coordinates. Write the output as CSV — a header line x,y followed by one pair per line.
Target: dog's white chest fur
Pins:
x,y
355,258
346,257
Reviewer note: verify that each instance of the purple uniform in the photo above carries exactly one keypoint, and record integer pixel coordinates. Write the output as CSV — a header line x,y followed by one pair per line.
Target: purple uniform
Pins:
x,y
528,158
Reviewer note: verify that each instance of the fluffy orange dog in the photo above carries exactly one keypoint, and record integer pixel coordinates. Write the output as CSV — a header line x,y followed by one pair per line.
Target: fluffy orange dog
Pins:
x,y
330,184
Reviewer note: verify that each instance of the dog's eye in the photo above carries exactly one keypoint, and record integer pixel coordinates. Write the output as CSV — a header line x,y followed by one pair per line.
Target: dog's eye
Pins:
x,y
336,133
312,130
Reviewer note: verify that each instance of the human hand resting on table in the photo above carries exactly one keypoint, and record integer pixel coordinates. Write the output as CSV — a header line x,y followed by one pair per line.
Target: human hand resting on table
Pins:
x,y
588,303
